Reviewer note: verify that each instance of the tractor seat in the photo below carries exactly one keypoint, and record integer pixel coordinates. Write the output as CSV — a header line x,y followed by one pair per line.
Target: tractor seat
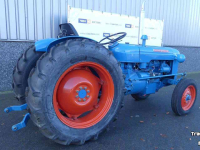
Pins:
x,y
67,29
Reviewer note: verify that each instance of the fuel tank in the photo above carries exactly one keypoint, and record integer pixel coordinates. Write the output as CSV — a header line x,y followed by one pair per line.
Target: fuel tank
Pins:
x,y
125,52
138,53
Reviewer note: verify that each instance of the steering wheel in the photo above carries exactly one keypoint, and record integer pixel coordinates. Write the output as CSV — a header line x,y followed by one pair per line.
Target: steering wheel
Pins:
x,y
122,35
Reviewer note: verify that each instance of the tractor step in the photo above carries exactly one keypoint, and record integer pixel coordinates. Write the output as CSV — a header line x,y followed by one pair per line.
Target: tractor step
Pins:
x,y
25,120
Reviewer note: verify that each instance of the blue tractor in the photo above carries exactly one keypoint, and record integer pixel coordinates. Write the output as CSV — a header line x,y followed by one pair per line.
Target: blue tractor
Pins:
x,y
73,87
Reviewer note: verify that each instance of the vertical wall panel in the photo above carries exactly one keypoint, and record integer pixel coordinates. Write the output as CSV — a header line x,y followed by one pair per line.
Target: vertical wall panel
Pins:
x,y
96,5
3,18
12,20
56,17
123,4
90,4
182,24
113,6
198,23
194,20
63,10
47,19
21,19
108,7
84,4
31,21
38,19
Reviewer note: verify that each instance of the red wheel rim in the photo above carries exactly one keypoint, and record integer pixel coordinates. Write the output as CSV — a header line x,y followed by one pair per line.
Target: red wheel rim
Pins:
x,y
76,97
188,97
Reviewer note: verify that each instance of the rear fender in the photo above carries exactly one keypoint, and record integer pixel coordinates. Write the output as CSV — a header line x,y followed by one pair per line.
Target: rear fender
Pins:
x,y
46,44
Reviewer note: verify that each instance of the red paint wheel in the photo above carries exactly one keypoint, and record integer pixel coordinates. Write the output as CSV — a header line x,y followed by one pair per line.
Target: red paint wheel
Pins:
x,y
188,97
184,97
76,93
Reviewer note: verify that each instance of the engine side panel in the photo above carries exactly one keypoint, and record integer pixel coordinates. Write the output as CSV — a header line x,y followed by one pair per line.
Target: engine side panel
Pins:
x,y
147,69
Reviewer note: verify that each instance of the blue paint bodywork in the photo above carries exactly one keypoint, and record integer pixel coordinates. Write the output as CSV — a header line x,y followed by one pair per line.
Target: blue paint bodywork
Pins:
x,y
42,45
46,44
25,120
146,68
22,124
15,108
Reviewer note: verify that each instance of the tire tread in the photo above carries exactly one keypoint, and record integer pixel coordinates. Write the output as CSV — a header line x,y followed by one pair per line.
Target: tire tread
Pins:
x,y
35,107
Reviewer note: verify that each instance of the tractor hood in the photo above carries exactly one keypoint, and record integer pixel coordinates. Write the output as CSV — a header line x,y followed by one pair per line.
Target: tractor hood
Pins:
x,y
160,53
138,53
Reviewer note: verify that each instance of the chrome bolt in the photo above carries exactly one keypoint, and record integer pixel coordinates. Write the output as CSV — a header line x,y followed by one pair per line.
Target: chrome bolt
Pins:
x,y
76,96
88,91
77,91
79,99
84,99
85,88
88,96
80,88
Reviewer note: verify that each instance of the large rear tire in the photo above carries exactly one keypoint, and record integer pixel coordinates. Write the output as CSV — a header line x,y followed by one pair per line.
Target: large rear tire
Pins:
x,y
64,89
21,72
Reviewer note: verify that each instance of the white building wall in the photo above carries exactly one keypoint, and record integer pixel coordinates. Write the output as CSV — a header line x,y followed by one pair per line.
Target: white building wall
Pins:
x,y
31,20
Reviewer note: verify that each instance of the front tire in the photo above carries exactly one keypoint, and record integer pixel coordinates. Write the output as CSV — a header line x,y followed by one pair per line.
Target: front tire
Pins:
x,y
64,89
184,97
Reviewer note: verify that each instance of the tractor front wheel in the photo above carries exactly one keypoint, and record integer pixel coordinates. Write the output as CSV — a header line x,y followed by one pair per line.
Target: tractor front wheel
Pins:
x,y
75,91
184,97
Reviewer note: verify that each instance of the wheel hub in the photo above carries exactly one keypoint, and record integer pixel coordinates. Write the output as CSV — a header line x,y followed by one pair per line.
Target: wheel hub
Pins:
x,y
77,100
188,98
78,92
82,93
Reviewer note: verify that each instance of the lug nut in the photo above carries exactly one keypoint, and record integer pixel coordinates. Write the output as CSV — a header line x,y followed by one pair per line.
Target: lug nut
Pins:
x,y
77,91
73,118
88,91
80,88
88,96
76,96
85,88
79,99
84,99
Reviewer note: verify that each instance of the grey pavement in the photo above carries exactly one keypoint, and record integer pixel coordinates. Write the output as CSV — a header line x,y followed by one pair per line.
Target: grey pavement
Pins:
x,y
142,125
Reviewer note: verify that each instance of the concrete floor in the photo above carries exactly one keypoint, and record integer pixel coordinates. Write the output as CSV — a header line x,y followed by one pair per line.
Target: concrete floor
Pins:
x,y
148,124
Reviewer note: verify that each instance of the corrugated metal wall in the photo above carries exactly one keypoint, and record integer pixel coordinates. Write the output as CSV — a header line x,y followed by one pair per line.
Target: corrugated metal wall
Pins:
x,y
38,19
